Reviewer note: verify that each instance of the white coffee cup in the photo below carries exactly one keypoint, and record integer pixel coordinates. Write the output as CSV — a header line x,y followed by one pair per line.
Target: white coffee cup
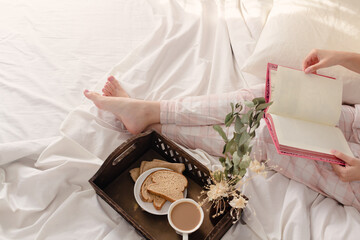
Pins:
x,y
179,231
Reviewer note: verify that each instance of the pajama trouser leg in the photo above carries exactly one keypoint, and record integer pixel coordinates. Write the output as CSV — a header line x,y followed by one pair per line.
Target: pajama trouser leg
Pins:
x,y
188,121
316,175
204,110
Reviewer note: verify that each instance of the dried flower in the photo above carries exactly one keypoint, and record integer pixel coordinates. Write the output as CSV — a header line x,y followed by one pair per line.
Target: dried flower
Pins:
x,y
238,202
218,190
257,167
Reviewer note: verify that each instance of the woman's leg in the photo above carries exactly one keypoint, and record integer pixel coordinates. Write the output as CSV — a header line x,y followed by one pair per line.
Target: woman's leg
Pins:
x,y
135,114
138,115
202,137
205,110
317,175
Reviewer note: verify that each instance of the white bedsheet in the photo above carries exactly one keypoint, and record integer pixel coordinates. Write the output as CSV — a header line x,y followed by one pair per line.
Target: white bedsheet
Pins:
x,y
51,51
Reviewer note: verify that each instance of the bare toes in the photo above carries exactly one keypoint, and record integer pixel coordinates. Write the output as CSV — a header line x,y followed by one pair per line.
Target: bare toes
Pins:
x,y
116,84
120,92
109,90
93,96
106,92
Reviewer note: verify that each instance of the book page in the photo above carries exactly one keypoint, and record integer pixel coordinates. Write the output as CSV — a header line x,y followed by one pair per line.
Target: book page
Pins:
x,y
309,136
306,96
272,83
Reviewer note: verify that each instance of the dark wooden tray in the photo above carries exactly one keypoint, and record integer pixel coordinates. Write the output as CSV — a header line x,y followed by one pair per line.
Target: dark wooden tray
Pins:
x,y
113,183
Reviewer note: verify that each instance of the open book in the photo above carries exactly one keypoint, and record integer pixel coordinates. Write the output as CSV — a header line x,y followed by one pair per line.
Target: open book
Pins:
x,y
306,108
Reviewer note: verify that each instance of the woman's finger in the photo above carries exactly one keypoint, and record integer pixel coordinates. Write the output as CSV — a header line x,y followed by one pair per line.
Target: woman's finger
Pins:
x,y
349,160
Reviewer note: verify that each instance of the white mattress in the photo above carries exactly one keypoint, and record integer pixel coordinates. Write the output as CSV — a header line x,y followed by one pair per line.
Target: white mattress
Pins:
x,y
52,140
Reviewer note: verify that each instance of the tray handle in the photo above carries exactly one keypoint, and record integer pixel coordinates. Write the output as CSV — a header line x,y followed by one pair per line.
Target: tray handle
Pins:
x,y
118,159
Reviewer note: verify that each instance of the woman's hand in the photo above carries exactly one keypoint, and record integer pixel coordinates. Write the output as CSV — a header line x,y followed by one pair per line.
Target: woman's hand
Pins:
x,y
318,58
351,171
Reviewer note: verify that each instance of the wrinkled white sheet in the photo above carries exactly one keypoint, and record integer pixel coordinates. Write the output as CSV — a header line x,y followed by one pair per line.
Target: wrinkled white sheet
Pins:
x,y
51,51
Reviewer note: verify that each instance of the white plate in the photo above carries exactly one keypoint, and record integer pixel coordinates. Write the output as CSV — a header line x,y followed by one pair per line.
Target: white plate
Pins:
x,y
149,207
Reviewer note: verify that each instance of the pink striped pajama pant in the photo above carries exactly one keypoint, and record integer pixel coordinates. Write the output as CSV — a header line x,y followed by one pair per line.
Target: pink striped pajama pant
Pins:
x,y
189,121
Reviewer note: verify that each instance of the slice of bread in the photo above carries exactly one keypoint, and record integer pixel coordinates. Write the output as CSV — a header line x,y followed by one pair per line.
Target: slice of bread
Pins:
x,y
146,165
157,201
134,173
167,184
177,167
145,196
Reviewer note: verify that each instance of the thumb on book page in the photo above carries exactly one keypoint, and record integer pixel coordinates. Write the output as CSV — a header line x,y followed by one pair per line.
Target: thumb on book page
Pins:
x,y
314,68
349,160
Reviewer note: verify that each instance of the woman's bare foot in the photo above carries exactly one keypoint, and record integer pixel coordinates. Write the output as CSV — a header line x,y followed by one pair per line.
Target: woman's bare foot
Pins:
x,y
137,115
112,88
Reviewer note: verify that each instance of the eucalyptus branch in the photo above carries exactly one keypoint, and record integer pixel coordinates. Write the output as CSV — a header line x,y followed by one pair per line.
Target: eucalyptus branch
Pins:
x,y
237,150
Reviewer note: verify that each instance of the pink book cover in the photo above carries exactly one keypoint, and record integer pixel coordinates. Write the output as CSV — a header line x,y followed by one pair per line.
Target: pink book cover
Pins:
x,y
286,150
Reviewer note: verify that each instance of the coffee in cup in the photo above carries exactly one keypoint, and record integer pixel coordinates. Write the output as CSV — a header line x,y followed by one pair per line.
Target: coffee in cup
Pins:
x,y
185,216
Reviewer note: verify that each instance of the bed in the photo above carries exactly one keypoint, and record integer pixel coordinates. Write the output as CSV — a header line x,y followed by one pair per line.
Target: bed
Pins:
x,y
53,140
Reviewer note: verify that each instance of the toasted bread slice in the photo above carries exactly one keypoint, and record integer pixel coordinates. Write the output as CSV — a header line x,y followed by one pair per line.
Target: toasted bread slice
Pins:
x,y
177,167
157,201
168,184
146,165
134,173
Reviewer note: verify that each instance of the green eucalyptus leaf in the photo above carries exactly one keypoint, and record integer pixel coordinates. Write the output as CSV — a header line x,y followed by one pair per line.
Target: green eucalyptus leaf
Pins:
x,y
240,153
237,137
245,119
242,172
251,118
243,129
244,164
246,157
252,134
244,137
255,101
232,107
249,104
222,161
236,170
263,106
228,164
237,105
260,116
221,132
238,124
231,146
259,100
236,159
241,148
230,121
228,117
224,148
246,116
245,147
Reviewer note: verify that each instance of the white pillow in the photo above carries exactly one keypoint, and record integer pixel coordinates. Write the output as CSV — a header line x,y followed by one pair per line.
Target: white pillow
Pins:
x,y
294,27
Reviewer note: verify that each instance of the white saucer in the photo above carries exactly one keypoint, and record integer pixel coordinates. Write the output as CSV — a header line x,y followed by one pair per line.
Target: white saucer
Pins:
x,y
146,206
